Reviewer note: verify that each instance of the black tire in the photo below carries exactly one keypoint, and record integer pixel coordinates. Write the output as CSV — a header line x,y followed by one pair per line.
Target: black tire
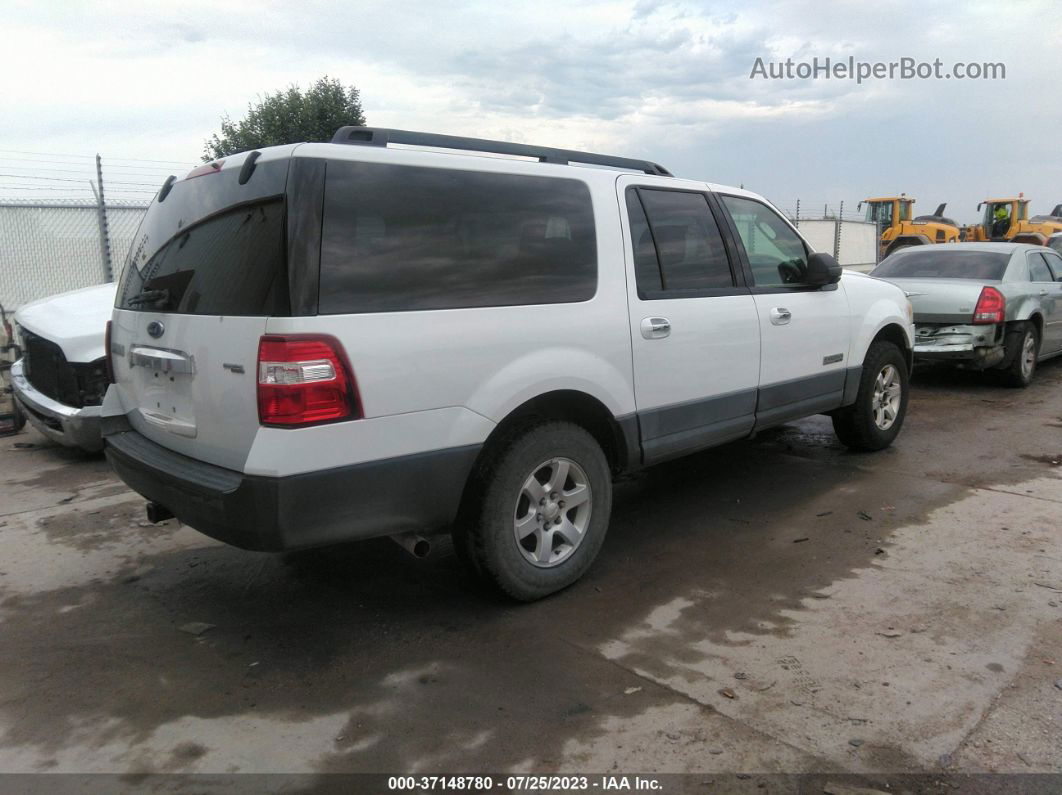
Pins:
x,y
855,425
1016,374
484,536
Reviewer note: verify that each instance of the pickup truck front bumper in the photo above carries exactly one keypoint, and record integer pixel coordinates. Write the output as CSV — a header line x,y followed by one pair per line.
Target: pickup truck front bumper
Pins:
x,y
980,347
67,425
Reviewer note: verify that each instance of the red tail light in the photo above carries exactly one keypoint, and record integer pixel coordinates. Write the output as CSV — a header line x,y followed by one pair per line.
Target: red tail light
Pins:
x,y
107,353
303,380
990,306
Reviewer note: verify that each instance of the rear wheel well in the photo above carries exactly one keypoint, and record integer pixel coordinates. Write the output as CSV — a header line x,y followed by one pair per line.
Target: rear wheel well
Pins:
x,y
1036,319
570,406
894,334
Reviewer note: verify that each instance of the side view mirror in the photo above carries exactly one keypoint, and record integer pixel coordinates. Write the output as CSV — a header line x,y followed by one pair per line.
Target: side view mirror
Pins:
x,y
822,270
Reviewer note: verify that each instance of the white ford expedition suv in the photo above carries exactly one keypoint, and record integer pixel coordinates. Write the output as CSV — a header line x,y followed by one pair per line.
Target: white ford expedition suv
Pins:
x,y
397,333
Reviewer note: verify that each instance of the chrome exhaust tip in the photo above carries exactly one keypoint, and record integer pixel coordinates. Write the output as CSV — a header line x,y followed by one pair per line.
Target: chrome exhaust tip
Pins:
x,y
416,545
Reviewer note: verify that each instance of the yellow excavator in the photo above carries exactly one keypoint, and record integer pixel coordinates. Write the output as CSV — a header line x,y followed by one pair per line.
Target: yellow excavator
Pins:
x,y
1008,220
897,228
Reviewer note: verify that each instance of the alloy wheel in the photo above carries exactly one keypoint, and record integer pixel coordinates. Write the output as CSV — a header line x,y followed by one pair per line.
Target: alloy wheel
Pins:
x,y
552,512
888,393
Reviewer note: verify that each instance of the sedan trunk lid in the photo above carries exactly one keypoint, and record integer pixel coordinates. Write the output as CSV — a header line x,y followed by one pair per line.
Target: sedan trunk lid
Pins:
x,y
942,300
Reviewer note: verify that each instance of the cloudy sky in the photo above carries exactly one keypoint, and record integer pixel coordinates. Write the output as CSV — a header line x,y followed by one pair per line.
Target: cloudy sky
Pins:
x,y
142,82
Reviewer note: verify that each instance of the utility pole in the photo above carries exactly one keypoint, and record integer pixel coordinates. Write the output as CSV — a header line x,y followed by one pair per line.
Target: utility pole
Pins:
x,y
101,215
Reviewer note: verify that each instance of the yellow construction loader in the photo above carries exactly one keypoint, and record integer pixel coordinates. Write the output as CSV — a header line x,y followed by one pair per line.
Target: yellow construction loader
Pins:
x,y
897,229
1008,220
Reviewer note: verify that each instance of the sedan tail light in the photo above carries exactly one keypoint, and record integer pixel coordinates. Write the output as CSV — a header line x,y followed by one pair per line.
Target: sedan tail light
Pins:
x,y
304,380
990,307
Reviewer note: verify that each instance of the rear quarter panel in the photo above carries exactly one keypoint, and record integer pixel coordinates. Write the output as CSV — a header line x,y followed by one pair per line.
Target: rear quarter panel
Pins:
x,y
1023,300
444,378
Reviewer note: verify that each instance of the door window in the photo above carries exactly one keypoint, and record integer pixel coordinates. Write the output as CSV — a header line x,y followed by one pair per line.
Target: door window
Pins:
x,y
1054,262
775,252
678,248
1038,270
880,213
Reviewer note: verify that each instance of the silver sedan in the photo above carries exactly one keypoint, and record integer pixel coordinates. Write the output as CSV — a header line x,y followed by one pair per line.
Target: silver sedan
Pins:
x,y
986,306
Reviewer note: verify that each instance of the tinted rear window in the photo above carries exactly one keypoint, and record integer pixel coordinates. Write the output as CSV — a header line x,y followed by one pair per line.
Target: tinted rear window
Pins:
x,y
230,264
932,263
407,238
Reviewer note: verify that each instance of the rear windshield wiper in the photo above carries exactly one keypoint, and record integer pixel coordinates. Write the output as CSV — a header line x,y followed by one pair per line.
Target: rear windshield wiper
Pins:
x,y
150,297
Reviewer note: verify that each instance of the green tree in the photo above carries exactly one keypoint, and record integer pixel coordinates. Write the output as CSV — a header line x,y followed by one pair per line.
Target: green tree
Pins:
x,y
289,117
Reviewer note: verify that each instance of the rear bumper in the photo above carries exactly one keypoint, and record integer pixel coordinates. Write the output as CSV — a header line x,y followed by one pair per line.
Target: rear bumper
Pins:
x,y
415,493
67,425
973,345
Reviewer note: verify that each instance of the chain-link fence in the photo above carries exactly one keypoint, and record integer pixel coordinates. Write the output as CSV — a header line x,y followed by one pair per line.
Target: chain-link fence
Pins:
x,y
48,248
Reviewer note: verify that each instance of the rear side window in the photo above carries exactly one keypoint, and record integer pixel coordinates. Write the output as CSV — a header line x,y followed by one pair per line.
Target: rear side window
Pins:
x,y
940,262
399,238
1038,270
676,242
233,263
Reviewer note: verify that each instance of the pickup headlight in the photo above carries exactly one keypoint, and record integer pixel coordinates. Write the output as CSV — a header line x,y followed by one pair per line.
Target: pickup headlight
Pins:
x,y
910,311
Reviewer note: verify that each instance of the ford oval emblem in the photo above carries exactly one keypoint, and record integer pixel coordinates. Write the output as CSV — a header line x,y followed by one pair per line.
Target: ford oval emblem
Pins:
x,y
155,328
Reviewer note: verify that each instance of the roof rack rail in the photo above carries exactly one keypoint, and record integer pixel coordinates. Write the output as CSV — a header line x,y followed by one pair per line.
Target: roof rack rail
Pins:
x,y
379,136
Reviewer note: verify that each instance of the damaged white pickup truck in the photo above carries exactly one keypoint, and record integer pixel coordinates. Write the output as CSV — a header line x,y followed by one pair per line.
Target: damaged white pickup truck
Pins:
x,y
61,378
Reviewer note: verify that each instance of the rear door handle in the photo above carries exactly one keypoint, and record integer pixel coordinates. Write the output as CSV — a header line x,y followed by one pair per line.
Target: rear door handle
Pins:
x,y
161,359
780,316
655,328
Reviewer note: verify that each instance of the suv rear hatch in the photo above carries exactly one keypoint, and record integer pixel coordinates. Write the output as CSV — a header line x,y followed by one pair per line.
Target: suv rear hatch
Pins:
x,y
209,265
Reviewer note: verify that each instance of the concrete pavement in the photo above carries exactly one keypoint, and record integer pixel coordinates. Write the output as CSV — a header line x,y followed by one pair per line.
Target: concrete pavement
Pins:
x,y
777,605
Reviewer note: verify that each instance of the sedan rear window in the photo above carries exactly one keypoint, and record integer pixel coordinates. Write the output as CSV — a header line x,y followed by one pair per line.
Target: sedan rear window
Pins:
x,y
932,263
